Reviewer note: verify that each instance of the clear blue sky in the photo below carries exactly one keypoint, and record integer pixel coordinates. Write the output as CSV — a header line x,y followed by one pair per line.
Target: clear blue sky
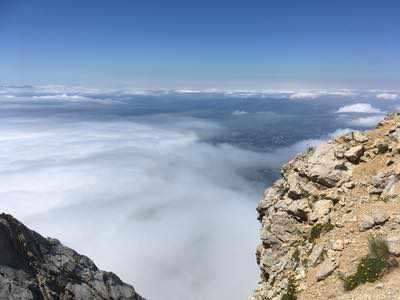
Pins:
x,y
207,43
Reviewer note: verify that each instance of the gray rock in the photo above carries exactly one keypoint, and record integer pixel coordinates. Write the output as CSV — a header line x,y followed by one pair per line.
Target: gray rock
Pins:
x,y
354,153
295,191
338,245
33,267
378,179
325,269
315,255
299,209
322,208
367,223
390,188
380,218
382,147
339,154
393,241
349,185
360,137
396,219
321,166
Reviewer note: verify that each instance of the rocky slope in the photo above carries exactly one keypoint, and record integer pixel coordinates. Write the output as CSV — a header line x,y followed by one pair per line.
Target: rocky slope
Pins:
x,y
34,267
317,219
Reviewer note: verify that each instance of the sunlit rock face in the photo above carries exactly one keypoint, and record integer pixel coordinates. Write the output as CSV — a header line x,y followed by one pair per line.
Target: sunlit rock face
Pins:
x,y
34,267
316,221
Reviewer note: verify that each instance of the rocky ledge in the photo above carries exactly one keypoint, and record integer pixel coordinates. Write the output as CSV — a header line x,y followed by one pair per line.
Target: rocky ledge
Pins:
x,y
34,267
318,220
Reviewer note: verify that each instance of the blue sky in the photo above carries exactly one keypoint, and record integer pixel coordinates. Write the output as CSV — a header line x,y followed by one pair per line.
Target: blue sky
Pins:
x,y
201,44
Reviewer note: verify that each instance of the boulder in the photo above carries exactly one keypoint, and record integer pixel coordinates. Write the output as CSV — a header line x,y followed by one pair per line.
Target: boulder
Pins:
x,y
393,241
378,179
367,223
325,269
380,218
390,188
295,191
322,208
382,147
360,137
315,255
354,153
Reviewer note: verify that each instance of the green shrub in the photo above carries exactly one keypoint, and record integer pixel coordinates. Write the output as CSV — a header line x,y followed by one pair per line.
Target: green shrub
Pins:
x,y
378,248
318,229
310,149
290,292
296,255
372,266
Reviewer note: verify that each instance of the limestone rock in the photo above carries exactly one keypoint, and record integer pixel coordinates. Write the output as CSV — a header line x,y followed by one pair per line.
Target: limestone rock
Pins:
x,y
338,245
390,189
367,223
309,217
360,137
325,269
315,255
393,241
354,153
322,208
378,179
295,191
380,218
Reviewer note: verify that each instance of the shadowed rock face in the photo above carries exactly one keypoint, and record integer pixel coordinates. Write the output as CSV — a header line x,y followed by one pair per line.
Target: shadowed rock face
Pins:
x,y
34,267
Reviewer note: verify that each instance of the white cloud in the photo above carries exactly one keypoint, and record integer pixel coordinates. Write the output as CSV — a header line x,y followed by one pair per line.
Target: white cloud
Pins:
x,y
387,96
131,189
304,95
319,93
359,108
366,121
62,97
169,208
239,112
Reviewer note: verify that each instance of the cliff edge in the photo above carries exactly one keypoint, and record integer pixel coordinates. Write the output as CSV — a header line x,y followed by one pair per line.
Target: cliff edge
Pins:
x,y
34,267
330,226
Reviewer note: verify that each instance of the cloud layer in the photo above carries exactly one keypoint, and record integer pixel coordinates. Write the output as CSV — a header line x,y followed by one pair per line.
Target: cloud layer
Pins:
x,y
387,96
159,207
145,190
366,121
365,108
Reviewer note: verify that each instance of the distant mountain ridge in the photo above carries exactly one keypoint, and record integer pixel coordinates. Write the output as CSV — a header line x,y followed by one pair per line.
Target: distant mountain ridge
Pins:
x,y
38,268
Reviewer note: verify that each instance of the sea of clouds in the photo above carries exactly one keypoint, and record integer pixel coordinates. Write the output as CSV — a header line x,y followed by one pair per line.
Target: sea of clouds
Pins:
x,y
154,201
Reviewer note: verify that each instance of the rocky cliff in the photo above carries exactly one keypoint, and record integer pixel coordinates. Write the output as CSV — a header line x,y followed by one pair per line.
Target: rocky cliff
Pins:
x,y
330,226
34,267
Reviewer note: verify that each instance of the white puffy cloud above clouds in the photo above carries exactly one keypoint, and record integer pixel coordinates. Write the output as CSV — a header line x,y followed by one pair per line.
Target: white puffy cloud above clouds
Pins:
x,y
239,112
304,95
359,108
65,97
366,121
387,96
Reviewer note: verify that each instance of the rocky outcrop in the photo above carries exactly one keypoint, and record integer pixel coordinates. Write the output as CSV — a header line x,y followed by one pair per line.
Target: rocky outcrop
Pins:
x,y
316,219
34,267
